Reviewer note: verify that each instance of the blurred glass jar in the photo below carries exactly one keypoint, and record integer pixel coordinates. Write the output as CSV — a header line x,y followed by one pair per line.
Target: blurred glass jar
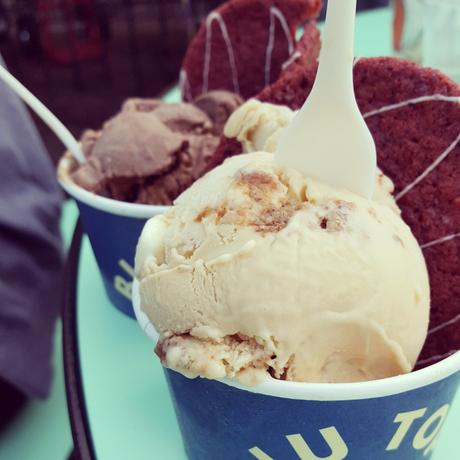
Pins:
x,y
428,32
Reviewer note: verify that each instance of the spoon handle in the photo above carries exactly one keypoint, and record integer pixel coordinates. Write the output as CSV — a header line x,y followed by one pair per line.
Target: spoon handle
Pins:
x,y
335,71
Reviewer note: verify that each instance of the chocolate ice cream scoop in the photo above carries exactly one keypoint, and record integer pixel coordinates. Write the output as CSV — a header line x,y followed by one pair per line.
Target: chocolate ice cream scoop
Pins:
x,y
180,117
152,151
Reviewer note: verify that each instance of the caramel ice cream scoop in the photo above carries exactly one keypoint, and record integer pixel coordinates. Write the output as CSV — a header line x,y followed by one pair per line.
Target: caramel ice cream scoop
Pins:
x,y
257,271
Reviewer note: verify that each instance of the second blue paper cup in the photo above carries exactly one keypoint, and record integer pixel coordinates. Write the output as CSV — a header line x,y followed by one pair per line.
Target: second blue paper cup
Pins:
x,y
113,228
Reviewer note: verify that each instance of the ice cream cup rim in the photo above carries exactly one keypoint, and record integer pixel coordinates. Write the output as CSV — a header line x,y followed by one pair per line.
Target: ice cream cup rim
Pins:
x,y
329,391
120,208
358,390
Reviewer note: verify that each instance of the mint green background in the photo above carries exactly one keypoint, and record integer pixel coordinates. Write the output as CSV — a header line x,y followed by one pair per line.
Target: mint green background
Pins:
x,y
130,412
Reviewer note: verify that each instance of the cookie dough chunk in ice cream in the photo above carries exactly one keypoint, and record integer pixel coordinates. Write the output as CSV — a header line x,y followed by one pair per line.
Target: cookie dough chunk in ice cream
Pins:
x,y
257,271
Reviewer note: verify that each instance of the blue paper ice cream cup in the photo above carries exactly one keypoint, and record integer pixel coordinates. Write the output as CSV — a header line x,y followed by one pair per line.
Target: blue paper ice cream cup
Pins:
x,y
397,418
113,228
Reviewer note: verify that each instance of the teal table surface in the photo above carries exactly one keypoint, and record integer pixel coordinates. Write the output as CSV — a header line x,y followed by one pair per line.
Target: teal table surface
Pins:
x,y
129,409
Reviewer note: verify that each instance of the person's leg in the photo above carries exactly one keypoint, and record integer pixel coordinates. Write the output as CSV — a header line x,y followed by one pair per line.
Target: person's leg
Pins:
x,y
12,401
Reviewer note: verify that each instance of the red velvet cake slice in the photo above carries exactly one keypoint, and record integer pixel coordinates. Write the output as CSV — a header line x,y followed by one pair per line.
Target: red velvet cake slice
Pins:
x,y
242,46
414,116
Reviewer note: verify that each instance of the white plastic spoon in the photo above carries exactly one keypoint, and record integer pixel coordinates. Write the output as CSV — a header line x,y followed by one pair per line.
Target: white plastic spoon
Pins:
x,y
328,139
49,118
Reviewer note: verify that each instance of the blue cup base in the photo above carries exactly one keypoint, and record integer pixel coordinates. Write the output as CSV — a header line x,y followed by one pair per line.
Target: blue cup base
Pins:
x,y
114,240
222,422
